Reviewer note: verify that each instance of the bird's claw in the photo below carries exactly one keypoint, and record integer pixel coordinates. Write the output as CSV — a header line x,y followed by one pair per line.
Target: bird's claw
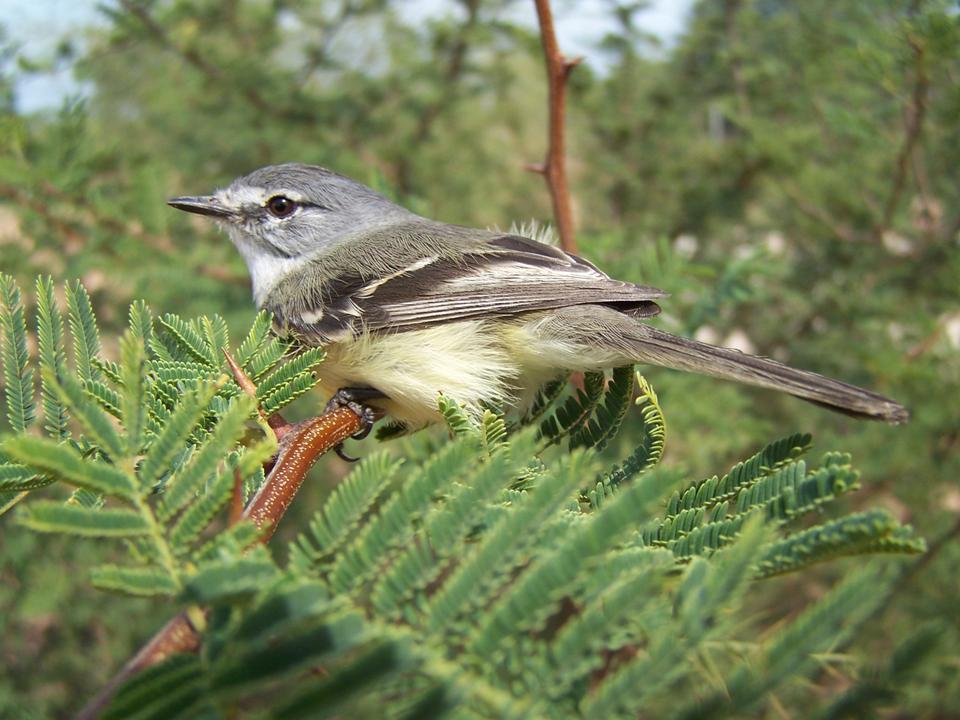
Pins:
x,y
352,399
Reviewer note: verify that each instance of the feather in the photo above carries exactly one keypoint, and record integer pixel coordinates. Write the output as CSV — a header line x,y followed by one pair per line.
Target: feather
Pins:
x,y
497,276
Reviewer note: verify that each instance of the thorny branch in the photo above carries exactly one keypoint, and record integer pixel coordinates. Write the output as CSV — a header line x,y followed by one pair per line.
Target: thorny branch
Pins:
x,y
300,445
553,168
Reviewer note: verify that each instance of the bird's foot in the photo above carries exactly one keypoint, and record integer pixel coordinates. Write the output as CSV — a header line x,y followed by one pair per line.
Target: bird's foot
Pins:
x,y
354,399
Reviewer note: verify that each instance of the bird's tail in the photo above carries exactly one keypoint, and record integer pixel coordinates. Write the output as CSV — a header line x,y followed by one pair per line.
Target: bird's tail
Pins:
x,y
656,347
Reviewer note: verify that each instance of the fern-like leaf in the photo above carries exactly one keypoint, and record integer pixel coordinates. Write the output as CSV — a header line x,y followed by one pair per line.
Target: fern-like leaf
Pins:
x,y
648,454
52,357
186,341
17,373
142,581
392,526
575,412
133,399
258,334
872,531
350,501
191,480
83,329
603,425
46,516
63,462
174,434
96,423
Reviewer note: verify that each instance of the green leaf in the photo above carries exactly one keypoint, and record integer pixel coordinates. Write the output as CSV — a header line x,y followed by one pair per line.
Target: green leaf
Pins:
x,y
574,413
304,362
189,481
15,478
358,676
872,531
523,605
216,336
46,516
827,625
648,454
97,424
230,542
351,499
172,438
83,328
268,355
143,581
141,322
393,525
52,358
160,691
457,418
199,514
134,397
493,558
287,604
288,392
444,528
230,580
606,420
188,341
301,645
546,396
65,463
256,337
17,375
10,498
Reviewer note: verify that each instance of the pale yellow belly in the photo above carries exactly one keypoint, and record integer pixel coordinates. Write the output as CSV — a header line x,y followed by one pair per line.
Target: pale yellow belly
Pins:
x,y
472,362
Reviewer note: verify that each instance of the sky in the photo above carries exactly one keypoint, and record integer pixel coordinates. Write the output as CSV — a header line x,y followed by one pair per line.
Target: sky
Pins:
x,y
36,27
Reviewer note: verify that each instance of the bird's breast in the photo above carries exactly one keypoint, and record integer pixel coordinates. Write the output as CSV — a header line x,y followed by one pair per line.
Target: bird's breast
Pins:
x,y
468,361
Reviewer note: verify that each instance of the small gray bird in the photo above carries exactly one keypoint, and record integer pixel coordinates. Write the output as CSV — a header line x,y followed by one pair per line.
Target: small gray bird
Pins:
x,y
408,307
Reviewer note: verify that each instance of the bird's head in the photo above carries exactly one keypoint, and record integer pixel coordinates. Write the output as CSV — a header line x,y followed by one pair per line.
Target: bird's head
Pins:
x,y
280,215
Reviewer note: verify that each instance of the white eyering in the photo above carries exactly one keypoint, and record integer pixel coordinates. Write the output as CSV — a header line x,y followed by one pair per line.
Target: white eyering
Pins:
x,y
265,265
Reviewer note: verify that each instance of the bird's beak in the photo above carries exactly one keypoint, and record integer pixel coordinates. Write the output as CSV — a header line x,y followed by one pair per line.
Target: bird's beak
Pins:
x,y
202,205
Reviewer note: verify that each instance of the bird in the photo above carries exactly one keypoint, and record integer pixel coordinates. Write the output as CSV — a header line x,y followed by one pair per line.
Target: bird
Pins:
x,y
408,308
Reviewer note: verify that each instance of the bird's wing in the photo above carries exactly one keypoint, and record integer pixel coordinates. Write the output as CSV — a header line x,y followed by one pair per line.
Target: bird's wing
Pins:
x,y
508,275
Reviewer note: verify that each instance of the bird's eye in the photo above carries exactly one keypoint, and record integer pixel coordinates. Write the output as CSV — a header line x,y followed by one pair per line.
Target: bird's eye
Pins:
x,y
280,206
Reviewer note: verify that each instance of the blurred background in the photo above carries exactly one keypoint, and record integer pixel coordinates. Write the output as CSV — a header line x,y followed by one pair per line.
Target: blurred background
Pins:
x,y
789,171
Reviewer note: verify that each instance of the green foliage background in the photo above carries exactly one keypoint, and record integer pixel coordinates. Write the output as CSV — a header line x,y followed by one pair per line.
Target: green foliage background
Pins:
x,y
788,171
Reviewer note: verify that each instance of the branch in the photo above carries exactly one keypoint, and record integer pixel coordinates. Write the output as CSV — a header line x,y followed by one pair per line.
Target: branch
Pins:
x,y
914,114
553,168
83,216
450,84
299,449
730,11
300,446
214,74
815,212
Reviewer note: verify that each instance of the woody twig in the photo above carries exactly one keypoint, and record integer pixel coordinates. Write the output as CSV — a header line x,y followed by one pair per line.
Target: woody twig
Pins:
x,y
553,168
300,444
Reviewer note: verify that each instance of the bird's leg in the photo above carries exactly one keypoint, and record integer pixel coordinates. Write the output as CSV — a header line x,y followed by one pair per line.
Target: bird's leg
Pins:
x,y
355,398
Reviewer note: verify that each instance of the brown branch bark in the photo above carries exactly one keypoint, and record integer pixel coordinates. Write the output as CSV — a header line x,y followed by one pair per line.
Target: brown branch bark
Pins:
x,y
300,446
554,168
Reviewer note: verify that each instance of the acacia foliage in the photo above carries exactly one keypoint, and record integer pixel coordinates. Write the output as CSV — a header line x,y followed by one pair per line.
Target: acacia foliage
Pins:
x,y
492,578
